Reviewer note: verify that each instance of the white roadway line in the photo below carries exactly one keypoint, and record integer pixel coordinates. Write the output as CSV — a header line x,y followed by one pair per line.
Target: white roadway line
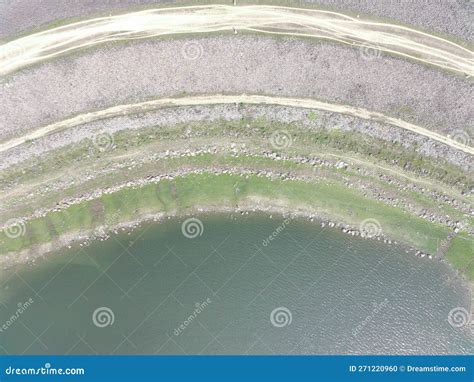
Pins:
x,y
334,26
203,100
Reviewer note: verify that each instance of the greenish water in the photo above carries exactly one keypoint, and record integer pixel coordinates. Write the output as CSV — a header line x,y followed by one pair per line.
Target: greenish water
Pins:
x,y
156,291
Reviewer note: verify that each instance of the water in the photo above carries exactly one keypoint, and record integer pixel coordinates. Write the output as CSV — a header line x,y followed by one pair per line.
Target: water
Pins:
x,y
330,293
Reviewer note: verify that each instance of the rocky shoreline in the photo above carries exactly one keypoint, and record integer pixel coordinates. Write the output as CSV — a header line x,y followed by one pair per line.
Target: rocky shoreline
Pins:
x,y
103,232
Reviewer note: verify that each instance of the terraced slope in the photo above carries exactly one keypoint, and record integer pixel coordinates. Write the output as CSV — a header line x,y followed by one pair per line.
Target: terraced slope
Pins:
x,y
365,124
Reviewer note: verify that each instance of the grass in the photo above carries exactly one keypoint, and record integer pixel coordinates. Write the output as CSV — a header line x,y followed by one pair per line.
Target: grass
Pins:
x,y
461,254
224,161
209,190
317,140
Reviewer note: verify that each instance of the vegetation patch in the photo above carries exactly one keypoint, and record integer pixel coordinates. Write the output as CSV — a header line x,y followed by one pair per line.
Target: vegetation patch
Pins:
x,y
213,191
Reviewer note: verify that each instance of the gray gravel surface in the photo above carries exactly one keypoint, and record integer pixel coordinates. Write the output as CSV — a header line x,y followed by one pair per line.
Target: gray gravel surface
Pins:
x,y
117,74
445,16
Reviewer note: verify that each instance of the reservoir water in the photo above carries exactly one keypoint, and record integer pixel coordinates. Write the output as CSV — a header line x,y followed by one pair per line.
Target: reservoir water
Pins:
x,y
220,285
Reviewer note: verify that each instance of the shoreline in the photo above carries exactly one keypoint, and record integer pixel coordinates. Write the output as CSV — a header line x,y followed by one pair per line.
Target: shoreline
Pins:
x,y
421,236
104,232
250,204
274,206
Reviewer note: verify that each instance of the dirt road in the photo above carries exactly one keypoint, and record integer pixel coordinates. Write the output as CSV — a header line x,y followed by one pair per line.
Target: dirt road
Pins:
x,y
231,99
372,38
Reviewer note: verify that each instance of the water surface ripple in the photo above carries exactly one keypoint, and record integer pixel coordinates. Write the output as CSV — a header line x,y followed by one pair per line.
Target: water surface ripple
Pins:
x,y
223,289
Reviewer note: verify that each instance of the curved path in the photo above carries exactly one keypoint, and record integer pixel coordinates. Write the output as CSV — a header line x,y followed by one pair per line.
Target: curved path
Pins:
x,y
231,99
371,37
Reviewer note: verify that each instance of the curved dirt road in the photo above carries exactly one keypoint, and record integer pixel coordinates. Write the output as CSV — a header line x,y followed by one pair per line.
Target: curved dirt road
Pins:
x,y
231,99
370,37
